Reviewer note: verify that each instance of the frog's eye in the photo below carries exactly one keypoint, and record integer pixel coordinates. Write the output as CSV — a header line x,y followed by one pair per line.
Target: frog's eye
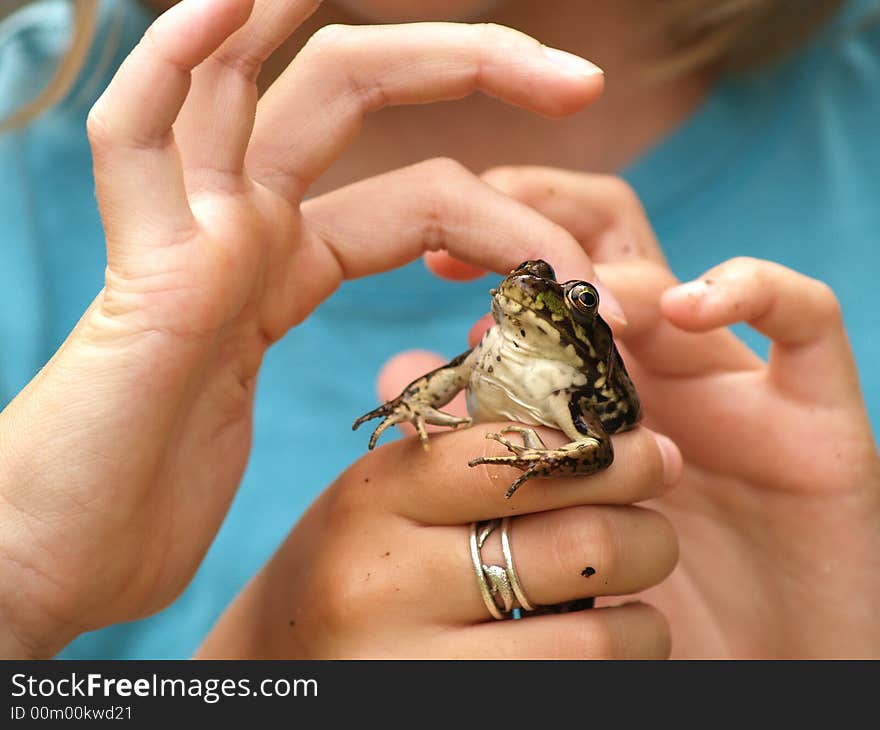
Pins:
x,y
584,297
587,298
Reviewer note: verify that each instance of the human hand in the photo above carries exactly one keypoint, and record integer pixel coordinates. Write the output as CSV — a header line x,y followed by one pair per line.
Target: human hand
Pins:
x,y
780,499
121,457
379,566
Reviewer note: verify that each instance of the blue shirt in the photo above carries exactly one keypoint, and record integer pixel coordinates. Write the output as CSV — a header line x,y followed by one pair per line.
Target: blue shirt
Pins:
x,y
780,165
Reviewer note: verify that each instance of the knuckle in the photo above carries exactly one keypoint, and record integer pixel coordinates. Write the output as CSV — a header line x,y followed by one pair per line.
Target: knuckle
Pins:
x,y
329,39
244,61
825,303
340,42
503,37
152,41
98,130
434,233
440,177
154,44
347,587
621,193
492,33
534,186
742,270
439,170
349,498
758,275
344,580
338,590
104,136
503,177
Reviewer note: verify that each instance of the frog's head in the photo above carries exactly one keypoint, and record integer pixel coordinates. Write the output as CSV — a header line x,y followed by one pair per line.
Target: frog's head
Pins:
x,y
571,307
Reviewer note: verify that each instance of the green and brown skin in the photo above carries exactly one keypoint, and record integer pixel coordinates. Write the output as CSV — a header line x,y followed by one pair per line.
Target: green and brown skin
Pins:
x,y
549,360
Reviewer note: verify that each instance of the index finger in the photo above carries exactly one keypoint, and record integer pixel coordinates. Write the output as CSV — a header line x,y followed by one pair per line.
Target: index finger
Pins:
x,y
437,487
810,355
389,220
309,115
138,174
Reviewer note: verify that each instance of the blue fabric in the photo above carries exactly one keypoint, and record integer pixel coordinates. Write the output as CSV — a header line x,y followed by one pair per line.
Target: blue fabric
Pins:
x,y
781,165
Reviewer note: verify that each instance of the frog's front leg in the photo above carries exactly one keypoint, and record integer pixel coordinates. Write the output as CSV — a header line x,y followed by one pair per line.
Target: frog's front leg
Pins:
x,y
590,453
420,400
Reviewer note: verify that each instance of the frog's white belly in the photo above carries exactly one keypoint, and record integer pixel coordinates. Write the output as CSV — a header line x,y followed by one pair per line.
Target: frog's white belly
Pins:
x,y
520,385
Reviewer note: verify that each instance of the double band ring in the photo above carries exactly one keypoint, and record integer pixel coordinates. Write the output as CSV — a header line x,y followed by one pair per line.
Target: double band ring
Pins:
x,y
499,585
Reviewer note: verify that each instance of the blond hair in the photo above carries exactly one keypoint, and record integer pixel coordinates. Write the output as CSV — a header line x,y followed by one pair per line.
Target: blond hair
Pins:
x,y
734,36
727,36
84,27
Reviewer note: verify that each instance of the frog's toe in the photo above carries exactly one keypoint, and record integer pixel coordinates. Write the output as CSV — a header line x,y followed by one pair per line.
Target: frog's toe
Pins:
x,y
382,410
522,430
419,423
530,466
515,460
515,448
441,418
520,480
530,437
380,429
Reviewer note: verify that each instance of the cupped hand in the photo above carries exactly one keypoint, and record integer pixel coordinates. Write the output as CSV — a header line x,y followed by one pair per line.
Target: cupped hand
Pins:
x,y
781,498
121,457
380,565
778,508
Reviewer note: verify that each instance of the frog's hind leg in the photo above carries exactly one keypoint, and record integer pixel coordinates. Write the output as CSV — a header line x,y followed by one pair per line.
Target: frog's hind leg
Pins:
x,y
590,453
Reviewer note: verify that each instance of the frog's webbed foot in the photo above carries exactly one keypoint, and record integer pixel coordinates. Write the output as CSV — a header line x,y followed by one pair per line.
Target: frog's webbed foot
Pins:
x,y
587,456
402,410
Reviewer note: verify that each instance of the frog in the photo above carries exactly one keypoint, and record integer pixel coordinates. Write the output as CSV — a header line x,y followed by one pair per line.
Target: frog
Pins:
x,y
549,359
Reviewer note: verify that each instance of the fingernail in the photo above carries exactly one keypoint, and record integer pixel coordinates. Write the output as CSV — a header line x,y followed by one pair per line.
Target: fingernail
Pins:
x,y
672,461
609,306
571,63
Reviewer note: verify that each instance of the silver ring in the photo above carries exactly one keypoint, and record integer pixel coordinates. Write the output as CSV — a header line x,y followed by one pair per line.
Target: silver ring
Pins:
x,y
479,569
518,592
499,586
